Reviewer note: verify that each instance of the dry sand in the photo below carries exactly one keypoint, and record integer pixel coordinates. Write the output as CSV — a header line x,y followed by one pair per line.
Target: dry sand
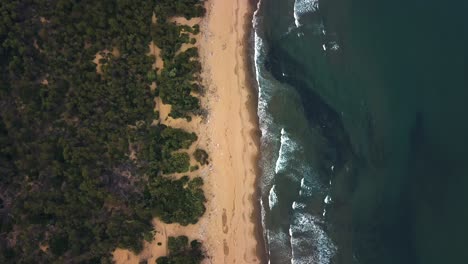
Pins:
x,y
231,235
229,228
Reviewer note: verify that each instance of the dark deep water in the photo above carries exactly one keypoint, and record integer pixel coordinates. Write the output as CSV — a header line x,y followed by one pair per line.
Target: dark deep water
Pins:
x,y
363,109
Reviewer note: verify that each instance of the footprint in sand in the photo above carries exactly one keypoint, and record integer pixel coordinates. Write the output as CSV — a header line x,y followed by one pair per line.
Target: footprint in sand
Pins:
x,y
226,248
224,218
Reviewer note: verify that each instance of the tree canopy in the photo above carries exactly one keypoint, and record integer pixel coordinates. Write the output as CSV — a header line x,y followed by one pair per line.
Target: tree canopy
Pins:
x,y
70,188
181,253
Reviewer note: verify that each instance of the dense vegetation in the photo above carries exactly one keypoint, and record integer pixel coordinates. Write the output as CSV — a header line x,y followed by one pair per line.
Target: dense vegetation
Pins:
x,y
185,8
181,253
180,201
177,81
70,187
157,152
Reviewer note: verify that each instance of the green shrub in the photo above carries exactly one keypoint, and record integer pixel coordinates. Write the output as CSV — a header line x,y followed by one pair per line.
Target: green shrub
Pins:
x,y
201,156
181,253
177,163
176,245
176,82
196,29
181,201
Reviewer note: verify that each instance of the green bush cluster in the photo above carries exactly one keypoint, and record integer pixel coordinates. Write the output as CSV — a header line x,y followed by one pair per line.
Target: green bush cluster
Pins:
x,y
169,37
201,156
157,146
176,82
180,201
186,8
180,76
177,163
181,253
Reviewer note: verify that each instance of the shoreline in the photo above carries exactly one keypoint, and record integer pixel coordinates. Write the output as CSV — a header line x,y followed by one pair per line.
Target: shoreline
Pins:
x,y
231,228
252,103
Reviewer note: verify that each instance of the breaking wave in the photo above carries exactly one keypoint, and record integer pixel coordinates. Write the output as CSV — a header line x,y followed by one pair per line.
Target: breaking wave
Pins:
x,y
286,150
309,242
302,7
272,197
281,155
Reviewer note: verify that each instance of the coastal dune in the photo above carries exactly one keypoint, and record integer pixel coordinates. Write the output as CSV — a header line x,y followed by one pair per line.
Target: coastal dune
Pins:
x,y
229,229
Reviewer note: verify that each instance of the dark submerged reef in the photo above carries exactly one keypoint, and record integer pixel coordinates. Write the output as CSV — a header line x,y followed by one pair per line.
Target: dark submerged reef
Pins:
x,y
399,77
70,190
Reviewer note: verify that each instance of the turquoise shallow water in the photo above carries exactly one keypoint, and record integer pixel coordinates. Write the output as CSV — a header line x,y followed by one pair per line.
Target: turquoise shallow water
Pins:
x,y
362,106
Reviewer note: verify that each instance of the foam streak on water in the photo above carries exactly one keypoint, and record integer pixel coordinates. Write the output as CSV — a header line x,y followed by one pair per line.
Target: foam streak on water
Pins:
x,y
302,7
297,205
318,250
310,186
278,241
265,122
265,90
286,150
272,197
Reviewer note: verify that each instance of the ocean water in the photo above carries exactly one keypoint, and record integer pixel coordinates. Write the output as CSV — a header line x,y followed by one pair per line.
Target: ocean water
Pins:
x,y
363,109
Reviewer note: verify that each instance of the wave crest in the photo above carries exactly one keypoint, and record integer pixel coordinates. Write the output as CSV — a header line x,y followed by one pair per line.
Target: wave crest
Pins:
x,y
287,148
302,7
272,197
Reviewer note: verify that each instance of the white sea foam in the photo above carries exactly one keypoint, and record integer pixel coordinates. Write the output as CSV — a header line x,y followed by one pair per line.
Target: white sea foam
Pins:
x,y
309,242
272,197
263,96
259,51
287,148
302,7
331,45
263,212
277,245
328,200
265,88
296,18
264,85
334,45
296,205
305,191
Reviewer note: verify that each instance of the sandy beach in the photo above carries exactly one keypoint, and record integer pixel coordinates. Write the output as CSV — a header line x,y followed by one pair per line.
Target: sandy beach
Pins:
x,y
229,229
233,129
